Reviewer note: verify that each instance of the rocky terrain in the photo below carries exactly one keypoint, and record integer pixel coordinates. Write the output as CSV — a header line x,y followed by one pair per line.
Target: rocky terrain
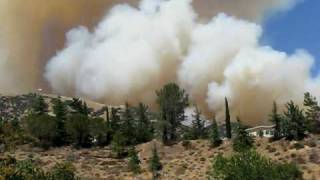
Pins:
x,y
186,160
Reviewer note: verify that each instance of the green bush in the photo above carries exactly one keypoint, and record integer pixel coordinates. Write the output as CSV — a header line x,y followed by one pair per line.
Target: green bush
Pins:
x,y
243,141
11,134
250,165
134,161
186,144
118,145
44,128
99,131
63,171
78,128
298,146
11,169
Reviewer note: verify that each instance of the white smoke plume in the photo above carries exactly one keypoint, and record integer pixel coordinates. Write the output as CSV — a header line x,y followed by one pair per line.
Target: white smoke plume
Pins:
x,y
135,51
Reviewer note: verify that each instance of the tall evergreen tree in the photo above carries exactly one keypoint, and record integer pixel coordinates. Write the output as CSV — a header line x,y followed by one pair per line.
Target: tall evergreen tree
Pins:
x,y
214,136
39,105
243,141
144,130
127,126
228,121
312,113
115,119
79,107
198,125
172,101
118,144
295,122
155,164
60,111
134,161
109,127
275,118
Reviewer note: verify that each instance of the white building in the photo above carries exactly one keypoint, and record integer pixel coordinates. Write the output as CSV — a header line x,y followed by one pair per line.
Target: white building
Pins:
x,y
264,131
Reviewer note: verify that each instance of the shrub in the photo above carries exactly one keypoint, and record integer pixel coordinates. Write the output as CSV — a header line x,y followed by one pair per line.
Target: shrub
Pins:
x,y
312,144
134,162
11,169
298,146
44,128
243,141
251,165
63,171
186,144
118,145
154,164
314,157
78,127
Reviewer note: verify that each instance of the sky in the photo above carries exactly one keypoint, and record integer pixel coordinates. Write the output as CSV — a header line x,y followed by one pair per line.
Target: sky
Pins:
x,y
298,28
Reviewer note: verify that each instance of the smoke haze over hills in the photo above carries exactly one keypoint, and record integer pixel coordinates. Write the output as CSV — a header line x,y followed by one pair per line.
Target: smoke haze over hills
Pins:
x,y
132,51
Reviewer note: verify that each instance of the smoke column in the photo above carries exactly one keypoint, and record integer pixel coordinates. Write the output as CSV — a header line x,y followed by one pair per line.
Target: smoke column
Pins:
x,y
134,51
32,31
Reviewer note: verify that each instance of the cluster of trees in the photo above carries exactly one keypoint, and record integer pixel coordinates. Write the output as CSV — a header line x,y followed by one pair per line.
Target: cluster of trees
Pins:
x,y
294,123
72,123
12,169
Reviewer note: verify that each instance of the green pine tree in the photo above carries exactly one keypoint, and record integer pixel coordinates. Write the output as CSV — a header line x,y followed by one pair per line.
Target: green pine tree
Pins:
x,y
312,113
172,101
295,126
243,141
134,161
118,144
39,106
109,128
60,111
228,121
198,125
115,120
127,126
214,136
144,130
154,164
275,118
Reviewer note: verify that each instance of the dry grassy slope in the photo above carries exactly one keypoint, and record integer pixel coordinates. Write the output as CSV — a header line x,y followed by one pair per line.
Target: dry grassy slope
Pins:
x,y
179,162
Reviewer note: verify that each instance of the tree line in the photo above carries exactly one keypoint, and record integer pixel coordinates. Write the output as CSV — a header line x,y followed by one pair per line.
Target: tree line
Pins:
x,y
72,122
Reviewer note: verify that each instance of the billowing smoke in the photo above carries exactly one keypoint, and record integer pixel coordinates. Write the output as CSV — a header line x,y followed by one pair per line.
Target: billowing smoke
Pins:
x,y
134,51
32,31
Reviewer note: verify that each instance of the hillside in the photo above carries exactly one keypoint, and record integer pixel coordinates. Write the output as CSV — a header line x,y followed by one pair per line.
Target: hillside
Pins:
x,y
187,162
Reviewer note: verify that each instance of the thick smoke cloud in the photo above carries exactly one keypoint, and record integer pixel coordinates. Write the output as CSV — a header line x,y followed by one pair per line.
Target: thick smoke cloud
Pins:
x,y
134,51
32,31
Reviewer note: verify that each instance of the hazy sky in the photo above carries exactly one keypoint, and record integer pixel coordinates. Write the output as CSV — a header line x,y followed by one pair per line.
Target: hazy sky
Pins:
x,y
297,28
